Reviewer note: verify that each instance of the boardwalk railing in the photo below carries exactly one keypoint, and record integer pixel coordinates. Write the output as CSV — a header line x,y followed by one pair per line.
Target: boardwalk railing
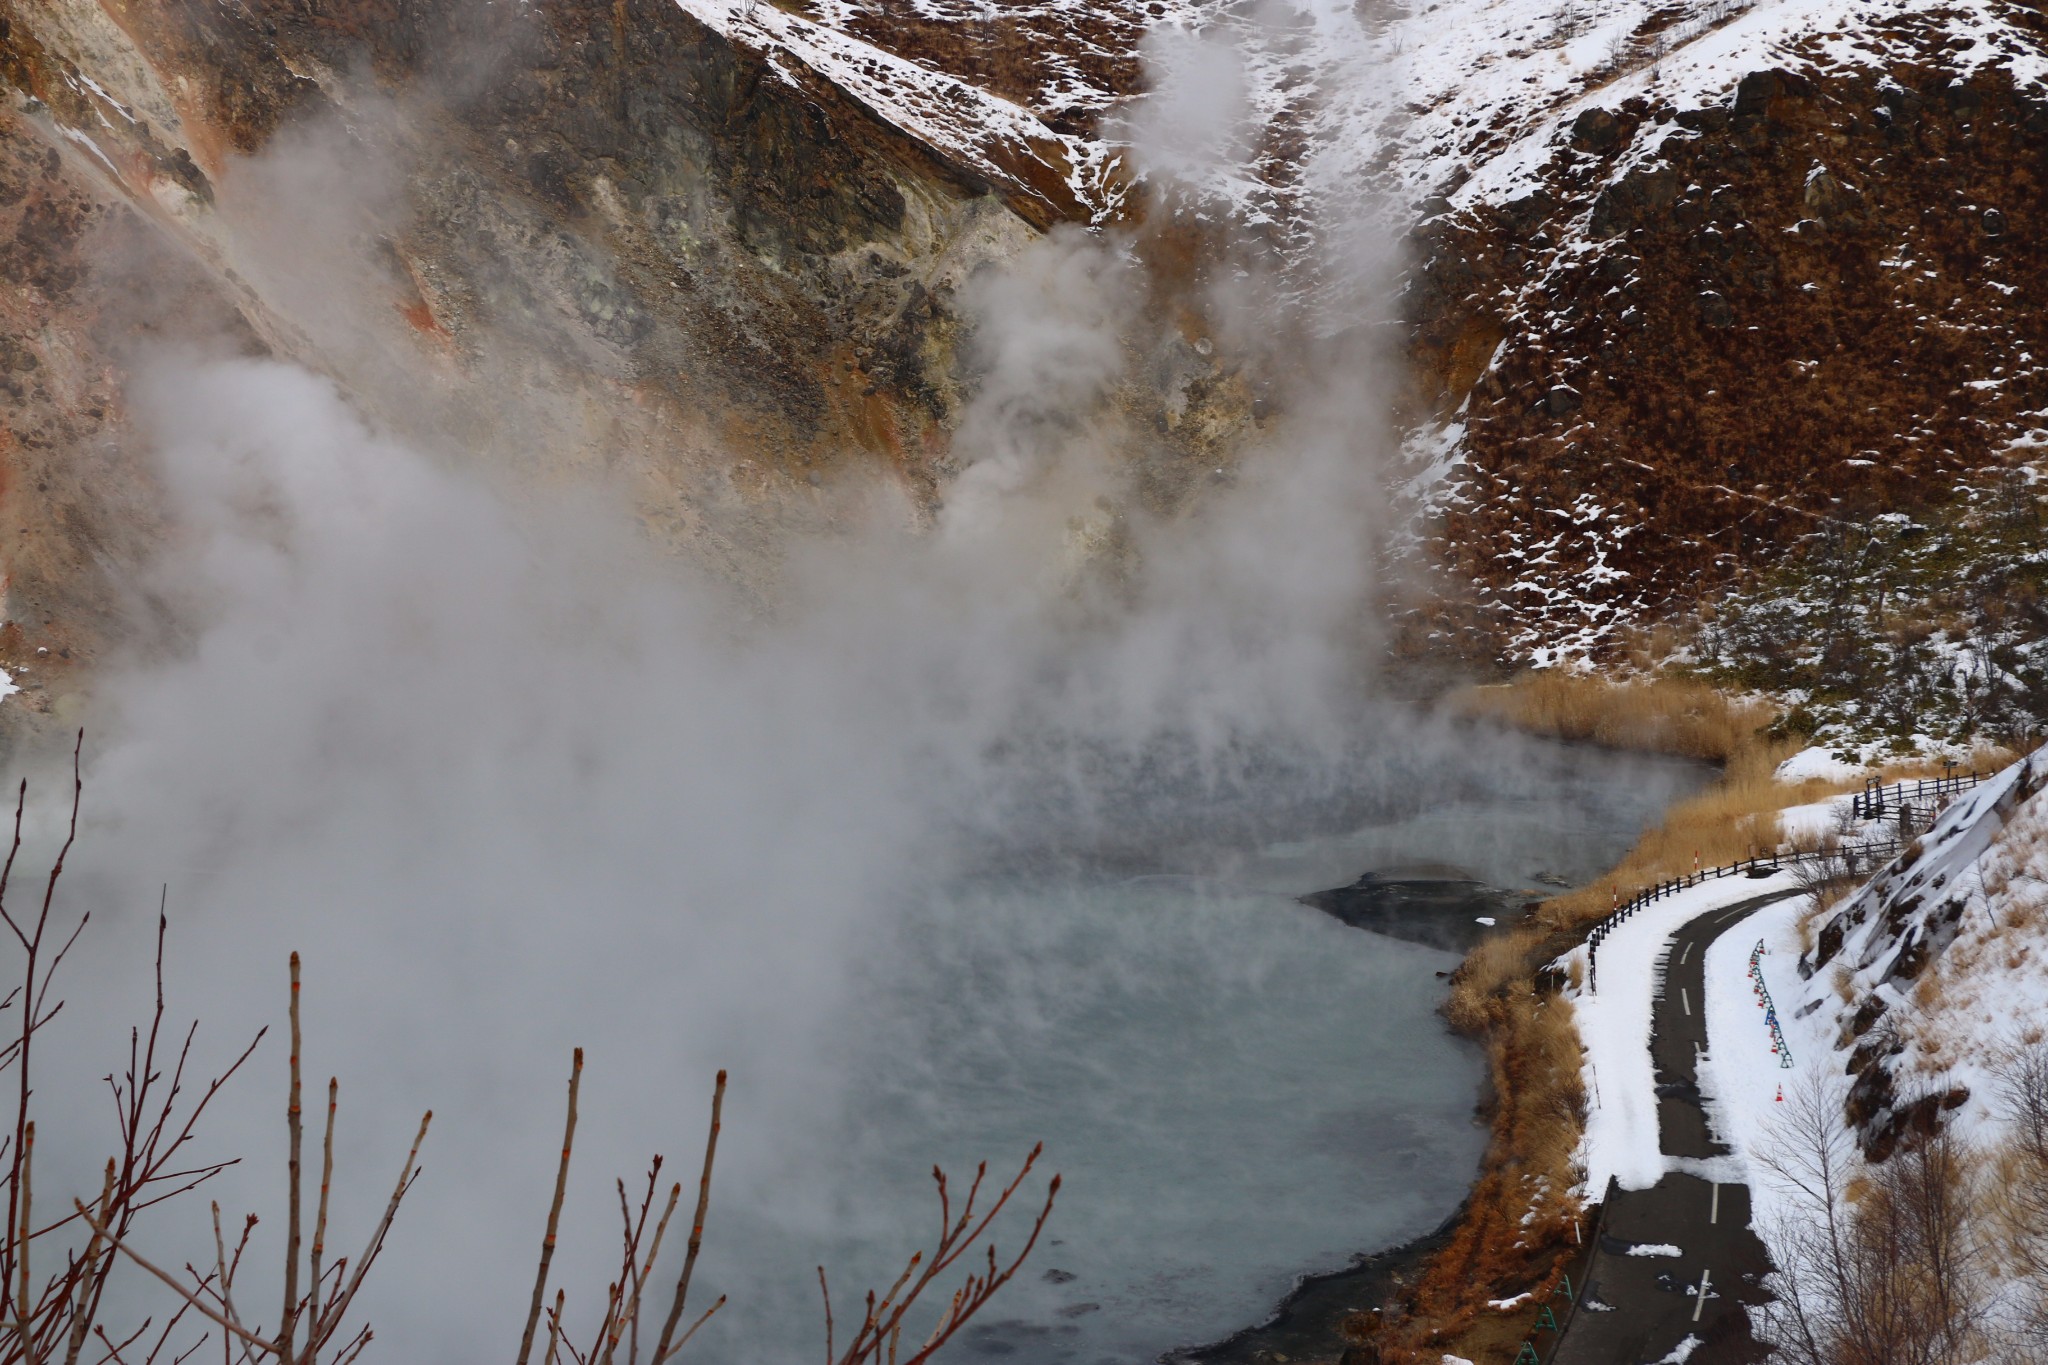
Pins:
x,y
1862,858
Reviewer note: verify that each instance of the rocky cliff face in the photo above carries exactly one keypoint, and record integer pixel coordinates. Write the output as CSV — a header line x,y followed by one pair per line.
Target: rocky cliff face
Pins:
x,y
616,189
1703,330
1689,280
1927,978
566,233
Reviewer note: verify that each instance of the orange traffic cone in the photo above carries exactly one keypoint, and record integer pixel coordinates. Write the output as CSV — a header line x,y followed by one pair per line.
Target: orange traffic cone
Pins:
x,y
1781,1089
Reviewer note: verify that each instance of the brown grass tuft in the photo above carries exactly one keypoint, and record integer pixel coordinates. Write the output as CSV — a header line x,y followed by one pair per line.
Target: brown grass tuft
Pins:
x,y
1539,1111
1653,715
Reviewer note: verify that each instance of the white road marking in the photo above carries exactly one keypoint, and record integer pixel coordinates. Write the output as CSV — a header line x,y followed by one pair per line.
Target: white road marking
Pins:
x,y
1714,1212
1685,1000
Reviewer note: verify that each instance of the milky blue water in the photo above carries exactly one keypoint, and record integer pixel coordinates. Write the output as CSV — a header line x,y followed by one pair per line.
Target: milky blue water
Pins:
x,y
1235,1089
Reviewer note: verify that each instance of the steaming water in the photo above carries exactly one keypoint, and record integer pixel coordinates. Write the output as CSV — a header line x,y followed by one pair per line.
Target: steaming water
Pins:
x,y
1236,1089
940,862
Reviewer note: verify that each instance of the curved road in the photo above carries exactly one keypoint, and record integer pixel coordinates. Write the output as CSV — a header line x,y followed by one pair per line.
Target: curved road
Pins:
x,y
1651,1303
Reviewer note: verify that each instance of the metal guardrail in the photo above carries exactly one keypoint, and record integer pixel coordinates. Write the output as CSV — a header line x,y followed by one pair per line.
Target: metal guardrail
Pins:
x,y
1868,855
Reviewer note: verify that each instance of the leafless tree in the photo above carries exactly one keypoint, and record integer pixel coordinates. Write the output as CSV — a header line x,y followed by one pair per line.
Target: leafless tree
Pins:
x,y
1878,1264
56,1315
881,1331
2023,1088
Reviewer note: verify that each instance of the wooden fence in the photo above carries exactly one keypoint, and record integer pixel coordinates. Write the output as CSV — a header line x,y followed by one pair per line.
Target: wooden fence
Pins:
x,y
1862,858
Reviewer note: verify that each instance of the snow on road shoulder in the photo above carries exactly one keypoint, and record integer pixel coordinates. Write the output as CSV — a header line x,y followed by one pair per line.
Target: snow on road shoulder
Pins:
x,y
1740,1076
1614,1026
1968,898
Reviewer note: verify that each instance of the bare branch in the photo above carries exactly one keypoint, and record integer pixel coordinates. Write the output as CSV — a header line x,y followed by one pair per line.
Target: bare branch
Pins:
x,y
289,1319
547,1243
662,1349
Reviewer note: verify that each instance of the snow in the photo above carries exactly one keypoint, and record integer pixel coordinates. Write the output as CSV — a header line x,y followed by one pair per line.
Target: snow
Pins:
x,y
1821,764
1988,851
1542,85
7,687
1654,1249
989,134
1341,112
1682,1352
1508,1305
1614,1025
1985,991
1740,1077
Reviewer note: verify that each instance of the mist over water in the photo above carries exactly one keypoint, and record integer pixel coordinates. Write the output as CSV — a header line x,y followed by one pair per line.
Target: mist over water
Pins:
x,y
986,833
515,783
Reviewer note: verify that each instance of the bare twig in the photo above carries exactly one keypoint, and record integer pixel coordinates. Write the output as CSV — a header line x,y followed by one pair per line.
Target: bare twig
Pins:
x,y
662,1350
882,1326
547,1244
177,1287
406,1176
79,1321
320,1219
826,1290
294,1121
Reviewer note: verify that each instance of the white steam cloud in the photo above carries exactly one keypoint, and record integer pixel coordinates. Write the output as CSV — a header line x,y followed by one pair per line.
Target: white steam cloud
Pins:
x,y
514,782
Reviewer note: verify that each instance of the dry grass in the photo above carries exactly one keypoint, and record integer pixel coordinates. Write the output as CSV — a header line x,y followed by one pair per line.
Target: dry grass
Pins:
x,y
1735,818
1654,715
1539,1111
1984,758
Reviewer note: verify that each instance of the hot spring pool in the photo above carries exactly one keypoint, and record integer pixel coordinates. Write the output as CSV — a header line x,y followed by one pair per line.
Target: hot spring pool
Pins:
x,y
1235,1089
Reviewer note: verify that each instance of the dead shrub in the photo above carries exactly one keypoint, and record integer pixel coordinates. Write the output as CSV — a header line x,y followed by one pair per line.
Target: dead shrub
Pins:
x,y
1876,1263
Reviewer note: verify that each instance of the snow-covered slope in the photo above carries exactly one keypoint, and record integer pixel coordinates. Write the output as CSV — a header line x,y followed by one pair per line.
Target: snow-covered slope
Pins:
x,y
1928,975
1603,218
1912,993
1464,98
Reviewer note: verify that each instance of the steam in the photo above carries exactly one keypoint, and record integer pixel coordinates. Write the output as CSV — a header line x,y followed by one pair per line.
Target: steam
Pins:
x,y
514,781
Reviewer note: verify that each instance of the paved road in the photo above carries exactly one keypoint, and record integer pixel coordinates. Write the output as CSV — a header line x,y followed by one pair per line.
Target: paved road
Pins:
x,y
1653,1298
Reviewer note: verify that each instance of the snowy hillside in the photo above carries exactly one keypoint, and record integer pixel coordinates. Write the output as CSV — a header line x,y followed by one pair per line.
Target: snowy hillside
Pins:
x,y
1463,98
1926,976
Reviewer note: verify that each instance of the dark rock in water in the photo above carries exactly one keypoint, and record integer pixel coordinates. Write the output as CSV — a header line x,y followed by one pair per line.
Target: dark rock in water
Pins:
x,y
1440,907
